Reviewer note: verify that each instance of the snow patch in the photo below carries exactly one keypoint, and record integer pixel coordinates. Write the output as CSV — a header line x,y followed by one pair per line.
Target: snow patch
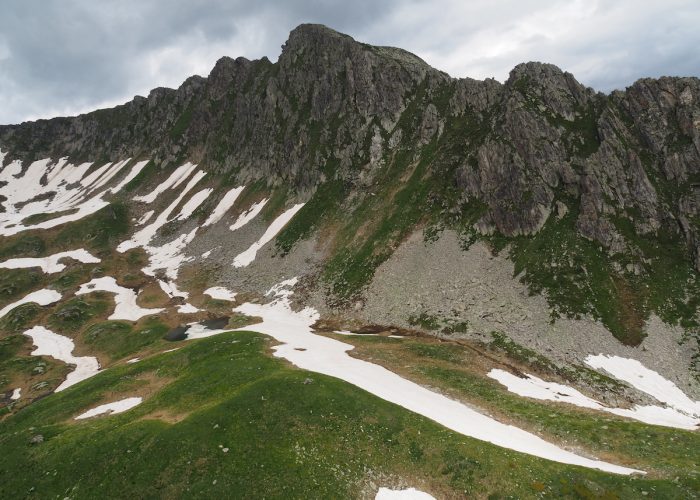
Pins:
x,y
61,348
124,299
407,494
536,388
199,331
66,189
224,206
51,263
642,378
193,203
220,293
178,175
42,297
111,408
17,393
245,258
145,217
248,215
135,170
168,257
187,308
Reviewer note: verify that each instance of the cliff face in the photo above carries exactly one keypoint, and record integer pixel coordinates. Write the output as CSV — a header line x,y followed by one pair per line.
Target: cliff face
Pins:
x,y
539,152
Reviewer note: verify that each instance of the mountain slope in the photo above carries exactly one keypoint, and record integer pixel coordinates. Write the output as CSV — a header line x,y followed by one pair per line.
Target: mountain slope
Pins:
x,y
535,227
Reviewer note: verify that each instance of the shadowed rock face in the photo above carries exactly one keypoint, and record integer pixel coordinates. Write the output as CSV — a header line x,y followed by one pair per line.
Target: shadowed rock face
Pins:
x,y
331,107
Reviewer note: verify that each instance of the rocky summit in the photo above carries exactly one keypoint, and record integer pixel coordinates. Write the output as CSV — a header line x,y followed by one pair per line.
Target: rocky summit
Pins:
x,y
348,274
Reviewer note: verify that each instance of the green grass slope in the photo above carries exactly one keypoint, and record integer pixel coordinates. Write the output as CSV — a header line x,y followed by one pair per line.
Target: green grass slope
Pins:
x,y
288,434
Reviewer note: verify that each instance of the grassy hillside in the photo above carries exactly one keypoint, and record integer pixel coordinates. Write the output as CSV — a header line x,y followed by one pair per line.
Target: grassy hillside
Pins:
x,y
223,419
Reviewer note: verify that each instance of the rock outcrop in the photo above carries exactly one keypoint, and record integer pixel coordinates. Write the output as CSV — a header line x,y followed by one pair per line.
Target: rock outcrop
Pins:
x,y
334,108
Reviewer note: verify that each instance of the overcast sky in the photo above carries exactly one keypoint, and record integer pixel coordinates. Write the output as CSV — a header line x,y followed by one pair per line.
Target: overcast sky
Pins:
x,y
63,57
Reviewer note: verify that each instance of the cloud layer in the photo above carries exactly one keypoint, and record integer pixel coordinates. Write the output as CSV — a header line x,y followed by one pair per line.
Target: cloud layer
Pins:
x,y
62,57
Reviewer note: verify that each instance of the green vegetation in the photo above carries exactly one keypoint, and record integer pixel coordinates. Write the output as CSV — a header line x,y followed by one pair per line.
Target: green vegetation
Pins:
x,y
71,315
391,217
142,177
43,217
580,278
19,318
444,325
16,283
662,451
230,421
22,245
322,206
501,342
577,277
182,122
100,230
118,339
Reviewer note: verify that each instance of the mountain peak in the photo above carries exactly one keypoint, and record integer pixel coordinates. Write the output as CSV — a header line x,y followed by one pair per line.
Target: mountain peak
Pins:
x,y
313,35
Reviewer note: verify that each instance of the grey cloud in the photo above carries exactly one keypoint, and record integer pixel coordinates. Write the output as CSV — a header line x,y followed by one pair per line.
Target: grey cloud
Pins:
x,y
64,57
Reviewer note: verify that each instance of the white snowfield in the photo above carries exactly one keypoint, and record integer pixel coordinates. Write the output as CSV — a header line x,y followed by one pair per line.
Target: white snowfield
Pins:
x,y
220,293
169,256
198,331
124,299
16,394
135,170
328,356
248,215
243,259
642,378
61,348
407,494
536,388
51,263
145,218
178,175
145,235
66,190
193,203
223,206
42,297
111,408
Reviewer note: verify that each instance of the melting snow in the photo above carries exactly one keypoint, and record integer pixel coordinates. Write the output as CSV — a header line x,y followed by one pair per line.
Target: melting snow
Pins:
x,y
135,170
133,360
169,256
178,175
220,293
51,263
536,388
61,348
407,494
124,299
197,199
66,189
187,308
642,378
248,215
16,394
245,258
42,297
224,206
111,408
145,217
146,234
199,331
328,356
